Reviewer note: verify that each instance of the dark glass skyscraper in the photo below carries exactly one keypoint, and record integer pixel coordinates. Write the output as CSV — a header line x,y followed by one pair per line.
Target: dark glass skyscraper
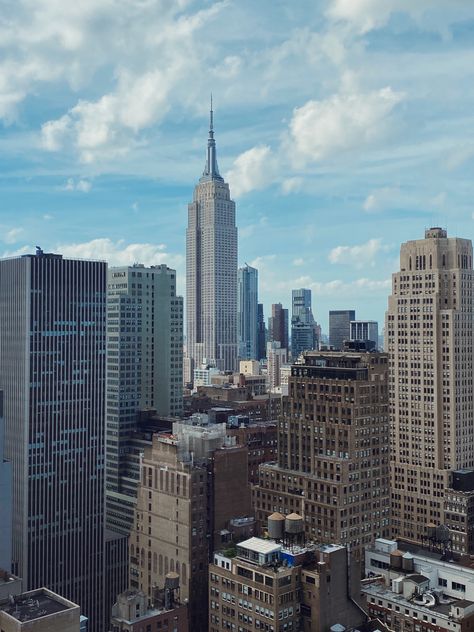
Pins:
x,y
278,325
52,372
303,326
247,310
340,327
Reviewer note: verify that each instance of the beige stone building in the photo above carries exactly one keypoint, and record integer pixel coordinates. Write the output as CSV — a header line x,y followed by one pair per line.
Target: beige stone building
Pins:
x,y
192,484
333,440
429,338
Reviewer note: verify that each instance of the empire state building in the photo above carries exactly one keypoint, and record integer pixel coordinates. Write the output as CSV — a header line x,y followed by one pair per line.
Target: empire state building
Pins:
x,y
211,269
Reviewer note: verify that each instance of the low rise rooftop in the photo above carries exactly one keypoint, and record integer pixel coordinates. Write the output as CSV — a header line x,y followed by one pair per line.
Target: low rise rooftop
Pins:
x,y
36,604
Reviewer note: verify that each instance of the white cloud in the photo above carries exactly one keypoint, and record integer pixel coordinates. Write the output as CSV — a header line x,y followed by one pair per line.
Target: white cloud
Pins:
x,y
119,253
47,217
11,236
154,58
343,122
84,186
299,261
253,169
366,15
135,207
380,200
358,256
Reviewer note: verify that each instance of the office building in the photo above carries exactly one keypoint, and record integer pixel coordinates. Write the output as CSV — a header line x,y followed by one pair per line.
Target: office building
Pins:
x,y
276,358
333,450
247,309
39,610
144,368
278,326
303,325
261,333
211,269
429,338
6,518
193,483
340,327
283,584
417,586
365,330
52,373
133,613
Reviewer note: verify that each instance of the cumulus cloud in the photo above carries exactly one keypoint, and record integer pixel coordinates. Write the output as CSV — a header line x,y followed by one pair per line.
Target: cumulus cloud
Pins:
x,y
358,256
47,217
11,236
118,253
251,170
299,261
343,122
158,54
84,186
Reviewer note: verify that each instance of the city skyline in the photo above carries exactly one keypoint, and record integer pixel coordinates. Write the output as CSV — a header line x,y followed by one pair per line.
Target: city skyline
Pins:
x,y
84,176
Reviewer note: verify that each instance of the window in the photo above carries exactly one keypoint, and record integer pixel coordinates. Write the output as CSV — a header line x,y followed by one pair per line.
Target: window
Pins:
x,y
442,581
459,587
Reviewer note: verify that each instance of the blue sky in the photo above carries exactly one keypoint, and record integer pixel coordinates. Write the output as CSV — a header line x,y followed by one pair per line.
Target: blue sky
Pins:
x,y
344,128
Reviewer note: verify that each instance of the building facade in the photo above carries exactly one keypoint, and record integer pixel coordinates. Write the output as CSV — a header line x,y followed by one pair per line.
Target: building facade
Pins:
x,y
303,325
6,500
365,330
144,369
261,333
211,269
247,308
276,358
276,586
429,338
333,450
278,326
340,327
192,485
52,372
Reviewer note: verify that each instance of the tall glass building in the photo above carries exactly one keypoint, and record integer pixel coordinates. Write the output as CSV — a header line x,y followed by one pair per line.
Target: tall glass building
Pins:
x,y
247,310
52,373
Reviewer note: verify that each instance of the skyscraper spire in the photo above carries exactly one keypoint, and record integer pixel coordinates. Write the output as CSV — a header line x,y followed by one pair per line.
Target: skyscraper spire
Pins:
x,y
211,170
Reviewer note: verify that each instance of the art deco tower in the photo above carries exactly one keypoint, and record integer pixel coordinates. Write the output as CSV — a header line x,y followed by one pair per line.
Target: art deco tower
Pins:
x,y
429,329
211,268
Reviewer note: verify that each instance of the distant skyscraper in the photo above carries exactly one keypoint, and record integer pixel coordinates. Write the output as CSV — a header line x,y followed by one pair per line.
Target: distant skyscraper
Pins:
x,y
340,327
247,308
303,325
52,372
429,339
365,330
211,269
261,333
278,325
144,368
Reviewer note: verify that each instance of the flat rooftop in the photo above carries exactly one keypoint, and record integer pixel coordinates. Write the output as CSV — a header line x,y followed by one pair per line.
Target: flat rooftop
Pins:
x,y
260,546
34,605
440,609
